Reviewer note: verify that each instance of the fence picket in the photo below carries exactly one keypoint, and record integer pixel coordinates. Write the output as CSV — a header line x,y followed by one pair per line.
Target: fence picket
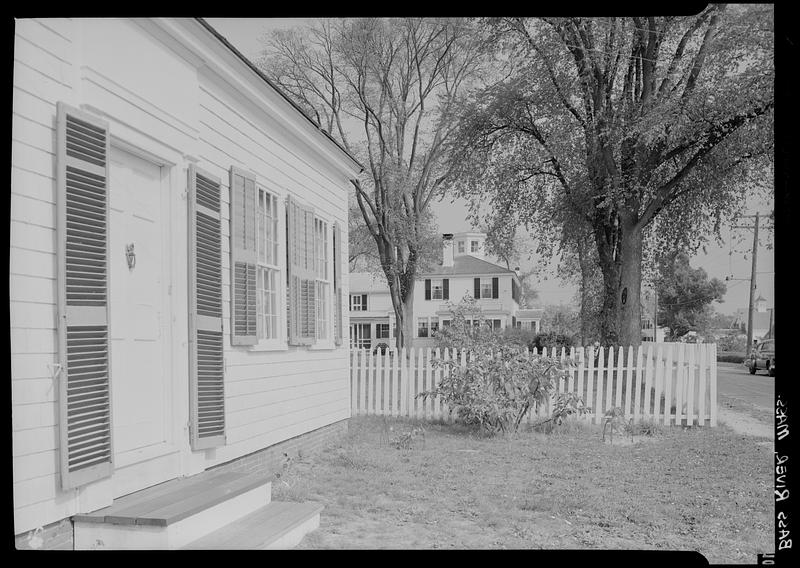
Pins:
x,y
669,379
362,383
598,413
628,411
445,372
648,380
680,370
609,380
571,379
590,378
690,386
618,380
701,387
637,405
713,389
659,377
581,369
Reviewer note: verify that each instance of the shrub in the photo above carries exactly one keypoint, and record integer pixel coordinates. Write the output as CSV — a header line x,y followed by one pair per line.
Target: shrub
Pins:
x,y
551,339
731,357
497,385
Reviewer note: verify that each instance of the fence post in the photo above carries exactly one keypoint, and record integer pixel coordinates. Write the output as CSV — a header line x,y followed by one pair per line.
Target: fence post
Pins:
x,y
713,378
353,362
669,377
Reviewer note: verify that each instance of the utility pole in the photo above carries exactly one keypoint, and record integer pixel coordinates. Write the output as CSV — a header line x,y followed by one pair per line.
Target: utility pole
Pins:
x,y
752,282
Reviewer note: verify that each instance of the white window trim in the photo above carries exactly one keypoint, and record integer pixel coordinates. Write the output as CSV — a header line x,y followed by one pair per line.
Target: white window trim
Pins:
x,y
278,343
328,342
462,248
475,248
489,297
353,304
441,288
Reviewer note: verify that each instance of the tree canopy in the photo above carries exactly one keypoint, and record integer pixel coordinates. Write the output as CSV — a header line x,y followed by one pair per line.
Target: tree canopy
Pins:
x,y
639,130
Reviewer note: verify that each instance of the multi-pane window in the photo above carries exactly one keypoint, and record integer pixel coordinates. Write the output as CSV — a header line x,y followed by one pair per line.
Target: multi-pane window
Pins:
x,y
445,323
268,272
473,246
422,327
322,297
358,302
436,289
382,331
434,327
486,287
460,246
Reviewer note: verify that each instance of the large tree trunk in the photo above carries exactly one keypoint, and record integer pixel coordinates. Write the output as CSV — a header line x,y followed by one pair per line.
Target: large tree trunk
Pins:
x,y
621,264
630,308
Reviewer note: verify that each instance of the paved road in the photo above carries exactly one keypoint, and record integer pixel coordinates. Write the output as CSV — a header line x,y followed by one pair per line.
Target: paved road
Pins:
x,y
735,381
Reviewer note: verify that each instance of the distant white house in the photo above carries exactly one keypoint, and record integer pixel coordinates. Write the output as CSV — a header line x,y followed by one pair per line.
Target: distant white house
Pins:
x,y
464,272
176,277
763,319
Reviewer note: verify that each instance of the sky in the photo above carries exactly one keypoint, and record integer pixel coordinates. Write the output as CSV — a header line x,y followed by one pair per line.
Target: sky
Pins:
x,y
732,259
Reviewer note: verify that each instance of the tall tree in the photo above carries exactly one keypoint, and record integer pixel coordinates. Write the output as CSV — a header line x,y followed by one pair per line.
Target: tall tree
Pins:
x,y
641,124
388,89
685,295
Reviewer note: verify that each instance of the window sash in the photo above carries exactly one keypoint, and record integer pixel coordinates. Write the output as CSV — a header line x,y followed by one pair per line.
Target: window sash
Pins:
x,y
382,331
422,327
460,246
473,246
355,303
437,289
322,303
486,287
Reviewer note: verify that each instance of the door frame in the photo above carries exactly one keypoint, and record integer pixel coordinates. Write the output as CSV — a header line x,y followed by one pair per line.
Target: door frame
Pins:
x,y
175,307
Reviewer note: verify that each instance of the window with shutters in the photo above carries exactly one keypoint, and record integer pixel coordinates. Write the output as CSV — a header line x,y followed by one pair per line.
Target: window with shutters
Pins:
x,y
437,289
358,303
268,271
323,284
486,287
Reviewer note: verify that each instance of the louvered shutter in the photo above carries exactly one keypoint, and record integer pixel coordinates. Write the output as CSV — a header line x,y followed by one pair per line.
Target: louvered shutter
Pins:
x,y
83,148
364,302
446,289
427,289
301,281
495,287
337,282
243,257
477,288
206,370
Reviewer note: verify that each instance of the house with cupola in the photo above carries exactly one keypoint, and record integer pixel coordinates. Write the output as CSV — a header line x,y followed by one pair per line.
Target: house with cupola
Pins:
x,y
464,271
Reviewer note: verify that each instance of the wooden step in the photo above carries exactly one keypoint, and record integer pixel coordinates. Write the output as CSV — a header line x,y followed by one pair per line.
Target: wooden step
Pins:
x,y
171,514
279,525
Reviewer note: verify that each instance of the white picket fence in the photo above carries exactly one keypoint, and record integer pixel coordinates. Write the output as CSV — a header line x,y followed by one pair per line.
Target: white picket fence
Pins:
x,y
673,383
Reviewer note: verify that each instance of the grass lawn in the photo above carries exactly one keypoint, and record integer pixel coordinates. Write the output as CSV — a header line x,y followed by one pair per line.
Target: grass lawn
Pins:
x,y
705,489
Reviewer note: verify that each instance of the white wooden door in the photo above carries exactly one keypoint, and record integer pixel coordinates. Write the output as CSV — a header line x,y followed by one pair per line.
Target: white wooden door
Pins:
x,y
145,450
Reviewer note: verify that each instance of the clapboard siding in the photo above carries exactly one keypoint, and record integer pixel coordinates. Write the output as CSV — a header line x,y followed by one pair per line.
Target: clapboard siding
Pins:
x,y
34,440
32,289
148,93
42,341
30,391
32,263
30,237
276,161
45,463
37,415
39,35
33,133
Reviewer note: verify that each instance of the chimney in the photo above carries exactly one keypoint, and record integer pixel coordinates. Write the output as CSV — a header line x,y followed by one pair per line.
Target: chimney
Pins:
x,y
516,271
447,249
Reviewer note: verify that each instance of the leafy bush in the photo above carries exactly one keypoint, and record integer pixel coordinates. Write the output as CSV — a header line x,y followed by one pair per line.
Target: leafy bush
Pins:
x,y
731,357
497,385
521,338
568,404
551,339
467,327
731,342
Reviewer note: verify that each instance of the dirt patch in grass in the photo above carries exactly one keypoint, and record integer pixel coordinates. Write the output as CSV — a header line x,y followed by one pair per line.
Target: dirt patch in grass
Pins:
x,y
702,489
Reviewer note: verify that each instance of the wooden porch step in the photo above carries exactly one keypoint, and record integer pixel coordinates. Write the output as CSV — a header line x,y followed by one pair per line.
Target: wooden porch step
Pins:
x,y
279,525
172,514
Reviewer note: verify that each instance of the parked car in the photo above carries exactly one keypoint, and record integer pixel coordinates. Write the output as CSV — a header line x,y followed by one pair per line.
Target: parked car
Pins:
x,y
762,357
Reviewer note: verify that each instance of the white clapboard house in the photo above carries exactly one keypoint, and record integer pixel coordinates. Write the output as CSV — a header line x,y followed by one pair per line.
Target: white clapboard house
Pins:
x,y
176,287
